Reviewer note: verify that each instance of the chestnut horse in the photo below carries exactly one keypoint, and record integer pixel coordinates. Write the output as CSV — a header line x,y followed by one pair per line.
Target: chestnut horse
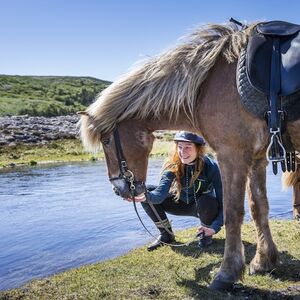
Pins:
x,y
193,87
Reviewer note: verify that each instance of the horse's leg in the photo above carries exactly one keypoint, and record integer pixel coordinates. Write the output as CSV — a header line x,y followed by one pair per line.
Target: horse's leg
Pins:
x,y
266,256
296,192
234,177
294,132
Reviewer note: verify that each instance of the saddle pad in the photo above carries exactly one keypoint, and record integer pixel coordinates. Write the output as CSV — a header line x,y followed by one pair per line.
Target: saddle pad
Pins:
x,y
259,55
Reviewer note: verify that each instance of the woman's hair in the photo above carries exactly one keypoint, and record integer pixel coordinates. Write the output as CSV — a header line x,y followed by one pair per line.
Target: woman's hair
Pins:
x,y
175,165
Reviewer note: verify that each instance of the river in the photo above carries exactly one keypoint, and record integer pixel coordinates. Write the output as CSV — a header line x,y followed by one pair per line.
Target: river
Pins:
x,y
56,217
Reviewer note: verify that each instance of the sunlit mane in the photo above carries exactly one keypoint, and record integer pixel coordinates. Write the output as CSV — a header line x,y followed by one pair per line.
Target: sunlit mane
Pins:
x,y
163,85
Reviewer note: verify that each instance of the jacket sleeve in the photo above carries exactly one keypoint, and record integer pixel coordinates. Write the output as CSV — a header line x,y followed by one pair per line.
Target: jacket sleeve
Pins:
x,y
215,177
161,192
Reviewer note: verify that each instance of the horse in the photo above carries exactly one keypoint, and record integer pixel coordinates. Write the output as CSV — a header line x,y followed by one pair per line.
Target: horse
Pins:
x,y
192,87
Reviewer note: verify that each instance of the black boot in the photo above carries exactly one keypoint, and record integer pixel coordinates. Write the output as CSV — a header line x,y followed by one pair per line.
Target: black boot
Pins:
x,y
164,237
205,241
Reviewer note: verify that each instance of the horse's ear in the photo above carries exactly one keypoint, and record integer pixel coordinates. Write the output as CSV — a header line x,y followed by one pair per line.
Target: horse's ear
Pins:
x,y
83,112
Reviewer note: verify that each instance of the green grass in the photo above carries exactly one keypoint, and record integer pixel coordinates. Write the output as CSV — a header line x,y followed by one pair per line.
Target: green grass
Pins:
x,y
61,151
55,151
47,95
175,273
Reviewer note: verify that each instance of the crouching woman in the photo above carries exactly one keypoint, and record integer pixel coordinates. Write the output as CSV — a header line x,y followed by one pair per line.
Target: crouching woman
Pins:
x,y
190,185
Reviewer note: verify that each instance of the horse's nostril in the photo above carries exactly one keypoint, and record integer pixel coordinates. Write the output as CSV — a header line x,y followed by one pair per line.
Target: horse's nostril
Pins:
x,y
116,190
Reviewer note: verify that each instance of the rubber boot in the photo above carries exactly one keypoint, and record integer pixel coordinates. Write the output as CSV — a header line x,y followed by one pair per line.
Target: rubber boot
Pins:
x,y
164,237
204,242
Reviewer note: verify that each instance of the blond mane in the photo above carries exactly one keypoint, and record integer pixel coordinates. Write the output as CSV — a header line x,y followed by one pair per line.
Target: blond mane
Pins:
x,y
163,85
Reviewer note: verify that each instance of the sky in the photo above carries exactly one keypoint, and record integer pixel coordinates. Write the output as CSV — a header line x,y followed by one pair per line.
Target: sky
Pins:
x,y
105,38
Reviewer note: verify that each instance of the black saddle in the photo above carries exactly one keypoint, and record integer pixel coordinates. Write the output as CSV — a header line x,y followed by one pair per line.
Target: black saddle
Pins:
x,y
286,38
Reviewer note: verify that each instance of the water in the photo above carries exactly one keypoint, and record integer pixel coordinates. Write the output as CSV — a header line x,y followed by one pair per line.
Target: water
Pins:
x,y
57,217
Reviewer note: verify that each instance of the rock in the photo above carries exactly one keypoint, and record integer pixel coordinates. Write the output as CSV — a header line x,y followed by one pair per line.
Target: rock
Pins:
x,y
12,145
37,130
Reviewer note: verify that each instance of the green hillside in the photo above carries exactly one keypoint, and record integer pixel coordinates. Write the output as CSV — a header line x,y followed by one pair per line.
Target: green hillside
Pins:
x,y
47,95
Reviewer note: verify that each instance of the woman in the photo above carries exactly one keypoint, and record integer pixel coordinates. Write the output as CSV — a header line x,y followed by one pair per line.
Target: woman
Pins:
x,y
190,186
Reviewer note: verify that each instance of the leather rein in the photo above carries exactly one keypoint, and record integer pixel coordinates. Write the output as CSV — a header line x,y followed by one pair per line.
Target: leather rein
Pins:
x,y
128,176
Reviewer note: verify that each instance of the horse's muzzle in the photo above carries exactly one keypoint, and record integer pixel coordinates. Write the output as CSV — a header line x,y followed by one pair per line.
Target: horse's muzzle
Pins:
x,y
122,188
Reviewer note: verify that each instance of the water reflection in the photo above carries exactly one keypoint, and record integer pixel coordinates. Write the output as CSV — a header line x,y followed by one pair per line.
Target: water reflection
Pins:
x,y
60,216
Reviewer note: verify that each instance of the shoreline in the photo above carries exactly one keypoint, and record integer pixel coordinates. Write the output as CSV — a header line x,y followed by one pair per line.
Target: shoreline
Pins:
x,y
65,150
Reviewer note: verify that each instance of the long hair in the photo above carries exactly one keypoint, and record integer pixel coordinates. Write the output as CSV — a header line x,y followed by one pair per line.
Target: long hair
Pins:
x,y
175,165
163,85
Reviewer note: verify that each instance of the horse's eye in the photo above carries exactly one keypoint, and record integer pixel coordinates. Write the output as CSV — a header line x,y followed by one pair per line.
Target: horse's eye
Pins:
x,y
105,141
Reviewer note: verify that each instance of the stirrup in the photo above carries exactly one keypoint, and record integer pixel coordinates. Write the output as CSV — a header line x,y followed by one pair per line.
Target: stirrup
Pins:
x,y
280,155
276,152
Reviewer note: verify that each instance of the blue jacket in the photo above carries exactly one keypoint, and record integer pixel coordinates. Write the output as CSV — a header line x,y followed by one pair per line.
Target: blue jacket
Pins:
x,y
208,182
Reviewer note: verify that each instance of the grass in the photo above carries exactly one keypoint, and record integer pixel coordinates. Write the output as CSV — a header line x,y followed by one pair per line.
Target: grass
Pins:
x,y
61,151
175,273
55,151
47,95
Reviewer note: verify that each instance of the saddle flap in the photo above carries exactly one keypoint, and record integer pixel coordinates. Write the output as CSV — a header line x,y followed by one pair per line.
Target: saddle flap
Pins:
x,y
277,28
290,66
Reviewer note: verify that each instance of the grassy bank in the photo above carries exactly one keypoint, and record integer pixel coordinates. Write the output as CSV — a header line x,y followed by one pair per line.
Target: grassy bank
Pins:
x,y
61,150
175,273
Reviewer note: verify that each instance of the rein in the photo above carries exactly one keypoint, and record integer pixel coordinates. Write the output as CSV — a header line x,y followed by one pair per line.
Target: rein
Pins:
x,y
128,176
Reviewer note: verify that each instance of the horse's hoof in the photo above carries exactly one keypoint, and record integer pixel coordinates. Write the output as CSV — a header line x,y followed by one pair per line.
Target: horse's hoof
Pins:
x,y
254,268
297,218
220,285
252,271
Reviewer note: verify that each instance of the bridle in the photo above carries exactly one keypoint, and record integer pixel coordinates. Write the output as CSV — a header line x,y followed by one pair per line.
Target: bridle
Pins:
x,y
128,176
125,173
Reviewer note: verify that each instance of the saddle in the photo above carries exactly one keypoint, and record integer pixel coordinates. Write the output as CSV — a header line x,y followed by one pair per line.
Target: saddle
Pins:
x,y
278,37
270,68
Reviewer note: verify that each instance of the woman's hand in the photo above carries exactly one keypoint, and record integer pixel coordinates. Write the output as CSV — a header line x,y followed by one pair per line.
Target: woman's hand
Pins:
x,y
139,198
207,231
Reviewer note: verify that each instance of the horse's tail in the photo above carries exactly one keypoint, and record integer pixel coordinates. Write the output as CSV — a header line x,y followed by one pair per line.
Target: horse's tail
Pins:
x,y
289,179
89,136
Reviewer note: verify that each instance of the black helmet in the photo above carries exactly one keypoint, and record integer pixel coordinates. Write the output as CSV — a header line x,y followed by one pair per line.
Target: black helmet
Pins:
x,y
184,136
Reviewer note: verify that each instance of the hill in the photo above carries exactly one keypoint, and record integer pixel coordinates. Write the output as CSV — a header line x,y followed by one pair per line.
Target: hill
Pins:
x,y
47,95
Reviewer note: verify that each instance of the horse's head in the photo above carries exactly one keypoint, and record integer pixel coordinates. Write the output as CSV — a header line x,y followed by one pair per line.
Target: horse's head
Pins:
x,y
126,150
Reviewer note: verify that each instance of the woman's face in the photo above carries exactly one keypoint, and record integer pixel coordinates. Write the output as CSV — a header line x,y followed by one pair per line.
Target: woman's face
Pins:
x,y
187,152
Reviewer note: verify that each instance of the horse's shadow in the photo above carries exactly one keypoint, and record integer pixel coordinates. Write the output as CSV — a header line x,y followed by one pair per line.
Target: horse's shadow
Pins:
x,y
287,269
204,274
239,291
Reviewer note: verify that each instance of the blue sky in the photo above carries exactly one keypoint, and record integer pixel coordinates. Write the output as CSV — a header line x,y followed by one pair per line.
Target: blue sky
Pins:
x,y
105,38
